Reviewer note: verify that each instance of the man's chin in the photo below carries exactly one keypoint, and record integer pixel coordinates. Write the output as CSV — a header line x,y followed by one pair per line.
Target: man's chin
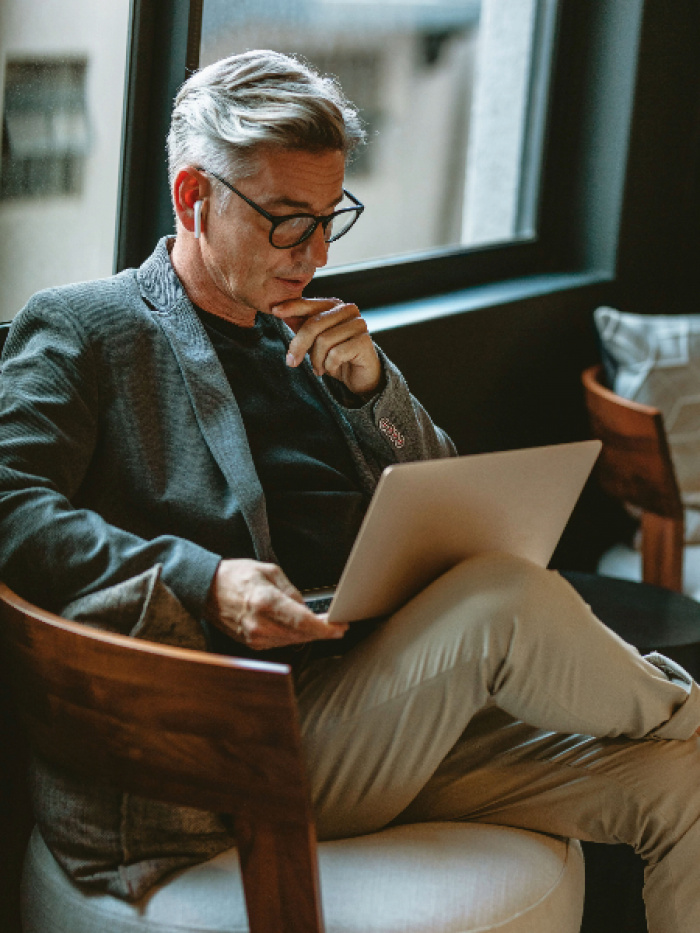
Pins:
x,y
274,305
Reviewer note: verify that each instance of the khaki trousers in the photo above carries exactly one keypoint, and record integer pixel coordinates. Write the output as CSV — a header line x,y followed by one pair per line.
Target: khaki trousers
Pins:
x,y
496,695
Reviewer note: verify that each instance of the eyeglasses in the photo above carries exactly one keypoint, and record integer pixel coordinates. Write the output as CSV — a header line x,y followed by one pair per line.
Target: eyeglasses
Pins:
x,y
292,229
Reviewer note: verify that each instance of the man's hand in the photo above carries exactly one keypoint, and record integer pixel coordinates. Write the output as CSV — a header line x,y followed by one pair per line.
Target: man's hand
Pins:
x,y
255,604
335,336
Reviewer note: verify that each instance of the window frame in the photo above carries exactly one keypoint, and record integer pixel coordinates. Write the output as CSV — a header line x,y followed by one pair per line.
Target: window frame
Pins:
x,y
162,50
573,234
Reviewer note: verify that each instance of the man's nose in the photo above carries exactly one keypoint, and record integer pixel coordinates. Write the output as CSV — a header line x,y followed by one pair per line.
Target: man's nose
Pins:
x,y
315,248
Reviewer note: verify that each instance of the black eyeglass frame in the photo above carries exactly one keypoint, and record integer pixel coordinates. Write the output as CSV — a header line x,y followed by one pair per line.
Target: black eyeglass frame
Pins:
x,y
324,220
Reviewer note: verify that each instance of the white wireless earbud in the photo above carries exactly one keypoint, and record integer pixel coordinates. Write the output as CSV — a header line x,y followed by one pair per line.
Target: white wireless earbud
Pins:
x,y
197,219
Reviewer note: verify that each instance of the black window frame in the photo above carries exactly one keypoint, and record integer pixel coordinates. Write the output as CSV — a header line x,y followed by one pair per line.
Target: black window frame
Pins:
x,y
574,233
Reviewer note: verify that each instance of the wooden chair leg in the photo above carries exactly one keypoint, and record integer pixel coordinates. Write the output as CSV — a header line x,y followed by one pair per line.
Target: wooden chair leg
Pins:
x,y
662,551
280,877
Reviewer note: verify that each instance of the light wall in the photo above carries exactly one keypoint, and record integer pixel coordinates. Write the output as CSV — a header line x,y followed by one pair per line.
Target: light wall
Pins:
x,y
54,240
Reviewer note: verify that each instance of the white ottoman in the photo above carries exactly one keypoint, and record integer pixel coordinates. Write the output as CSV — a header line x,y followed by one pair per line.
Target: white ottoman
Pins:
x,y
423,878
625,563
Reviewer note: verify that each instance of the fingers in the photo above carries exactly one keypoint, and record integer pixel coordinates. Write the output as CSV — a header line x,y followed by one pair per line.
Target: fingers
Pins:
x,y
337,339
276,620
309,318
296,311
257,605
343,344
279,579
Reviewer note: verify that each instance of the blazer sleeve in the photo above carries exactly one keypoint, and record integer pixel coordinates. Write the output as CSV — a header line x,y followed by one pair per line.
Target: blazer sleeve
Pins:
x,y
393,427
51,551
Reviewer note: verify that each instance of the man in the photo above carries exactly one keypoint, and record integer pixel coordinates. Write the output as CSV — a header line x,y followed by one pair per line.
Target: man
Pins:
x,y
195,441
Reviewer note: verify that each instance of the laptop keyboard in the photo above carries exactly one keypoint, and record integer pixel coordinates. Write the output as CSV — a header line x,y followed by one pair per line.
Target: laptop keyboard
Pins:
x,y
318,604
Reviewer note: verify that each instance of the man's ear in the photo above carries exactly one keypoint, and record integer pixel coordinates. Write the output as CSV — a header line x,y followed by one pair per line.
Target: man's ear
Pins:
x,y
189,192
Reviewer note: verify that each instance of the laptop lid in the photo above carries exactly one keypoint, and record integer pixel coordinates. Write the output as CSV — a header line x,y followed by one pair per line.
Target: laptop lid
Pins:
x,y
429,515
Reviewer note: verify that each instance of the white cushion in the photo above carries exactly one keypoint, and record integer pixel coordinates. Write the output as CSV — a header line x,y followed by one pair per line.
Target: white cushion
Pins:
x,y
625,563
425,878
655,360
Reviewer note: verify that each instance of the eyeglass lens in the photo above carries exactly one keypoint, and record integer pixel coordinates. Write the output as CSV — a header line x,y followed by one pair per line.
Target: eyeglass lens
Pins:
x,y
293,231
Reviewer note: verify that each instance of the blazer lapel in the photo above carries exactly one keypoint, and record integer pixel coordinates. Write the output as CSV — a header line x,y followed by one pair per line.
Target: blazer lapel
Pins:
x,y
214,404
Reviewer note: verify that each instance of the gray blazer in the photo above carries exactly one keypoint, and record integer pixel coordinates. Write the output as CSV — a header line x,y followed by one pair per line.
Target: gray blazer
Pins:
x,y
122,446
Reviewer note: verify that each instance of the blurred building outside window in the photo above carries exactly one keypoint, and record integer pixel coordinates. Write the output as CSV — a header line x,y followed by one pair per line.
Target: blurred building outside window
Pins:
x,y
45,135
62,73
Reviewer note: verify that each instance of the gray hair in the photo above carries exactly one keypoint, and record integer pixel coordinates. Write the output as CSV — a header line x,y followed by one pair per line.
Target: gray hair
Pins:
x,y
224,114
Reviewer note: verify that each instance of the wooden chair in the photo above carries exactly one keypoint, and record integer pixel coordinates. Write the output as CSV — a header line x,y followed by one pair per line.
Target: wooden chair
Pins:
x,y
635,467
180,726
219,733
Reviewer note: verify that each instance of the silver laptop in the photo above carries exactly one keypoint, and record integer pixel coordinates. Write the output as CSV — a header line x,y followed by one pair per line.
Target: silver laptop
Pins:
x,y
429,515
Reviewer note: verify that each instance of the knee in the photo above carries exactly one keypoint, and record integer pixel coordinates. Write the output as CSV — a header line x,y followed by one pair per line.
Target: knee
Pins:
x,y
487,590
487,597
514,583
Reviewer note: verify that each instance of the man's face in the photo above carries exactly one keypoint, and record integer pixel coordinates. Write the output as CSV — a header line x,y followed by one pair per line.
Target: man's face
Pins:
x,y
247,272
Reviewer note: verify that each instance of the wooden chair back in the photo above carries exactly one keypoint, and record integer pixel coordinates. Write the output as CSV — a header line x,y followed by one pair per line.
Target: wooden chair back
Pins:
x,y
635,467
187,727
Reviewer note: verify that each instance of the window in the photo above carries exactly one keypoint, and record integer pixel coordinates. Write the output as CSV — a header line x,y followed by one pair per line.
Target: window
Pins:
x,y
574,64
453,94
61,107
45,130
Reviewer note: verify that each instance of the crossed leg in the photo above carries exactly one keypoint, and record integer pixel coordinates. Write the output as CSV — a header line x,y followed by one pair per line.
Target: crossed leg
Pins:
x,y
644,794
426,718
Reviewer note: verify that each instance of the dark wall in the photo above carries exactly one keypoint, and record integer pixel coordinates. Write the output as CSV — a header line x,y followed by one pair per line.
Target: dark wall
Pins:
x,y
504,376
658,267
